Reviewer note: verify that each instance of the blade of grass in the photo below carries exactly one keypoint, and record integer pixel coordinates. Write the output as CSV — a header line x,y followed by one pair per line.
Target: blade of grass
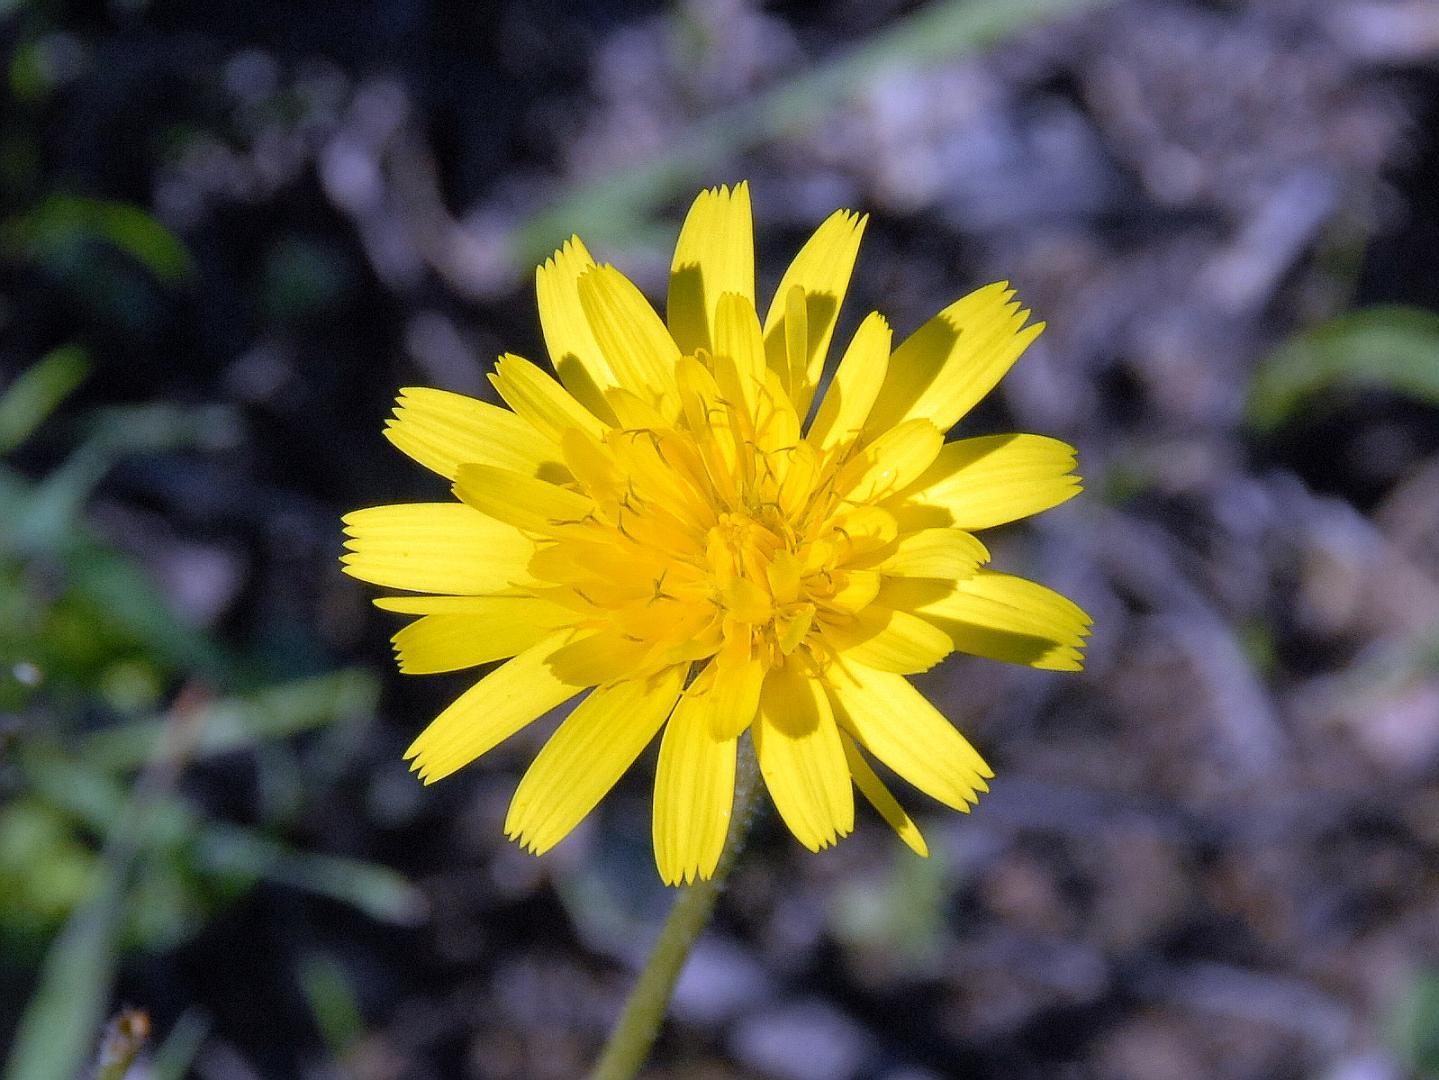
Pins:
x,y
612,207
95,798
276,712
37,391
174,1056
332,1002
379,892
1388,347
45,522
63,1016
62,221
69,1004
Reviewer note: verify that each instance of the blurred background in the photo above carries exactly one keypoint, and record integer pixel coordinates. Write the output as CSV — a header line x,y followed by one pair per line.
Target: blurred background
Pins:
x,y
228,235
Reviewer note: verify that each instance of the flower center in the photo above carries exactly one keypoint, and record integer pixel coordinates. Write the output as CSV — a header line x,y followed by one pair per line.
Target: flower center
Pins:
x,y
713,533
760,579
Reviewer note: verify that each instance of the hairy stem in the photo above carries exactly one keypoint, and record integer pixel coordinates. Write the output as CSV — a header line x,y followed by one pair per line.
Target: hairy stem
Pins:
x,y
634,1033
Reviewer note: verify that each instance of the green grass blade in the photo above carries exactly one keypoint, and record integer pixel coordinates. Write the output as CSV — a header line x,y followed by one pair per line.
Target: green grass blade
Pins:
x,y
95,797
60,222
332,1002
37,391
57,1030
1391,348
379,892
276,712
615,207
174,1056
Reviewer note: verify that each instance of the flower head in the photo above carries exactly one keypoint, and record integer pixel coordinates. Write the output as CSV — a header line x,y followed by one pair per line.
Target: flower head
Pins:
x,y
661,527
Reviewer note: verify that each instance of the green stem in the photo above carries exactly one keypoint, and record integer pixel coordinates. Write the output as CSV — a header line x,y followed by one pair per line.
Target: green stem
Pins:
x,y
635,1031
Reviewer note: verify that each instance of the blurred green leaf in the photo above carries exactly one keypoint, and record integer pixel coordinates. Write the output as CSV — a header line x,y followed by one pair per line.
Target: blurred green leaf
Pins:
x,y
276,712
109,610
41,518
332,1002
1392,348
83,623
378,891
45,871
39,389
221,849
901,917
28,78
134,603
174,1056
62,1019
158,426
61,223
1414,1025
56,1031
615,208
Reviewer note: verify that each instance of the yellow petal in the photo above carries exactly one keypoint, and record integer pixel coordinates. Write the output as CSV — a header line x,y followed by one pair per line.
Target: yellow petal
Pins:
x,y
784,574
892,462
710,419
445,605
737,338
894,722
491,711
1006,618
573,349
735,695
777,435
857,590
980,483
694,791
794,372
952,361
633,339
864,531
603,657
435,547
802,760
856,383
587,755
443,431
544,403
621,571
792,627
594,467
935,553
450,641
521,501
714,255
822,270
873,789
890,640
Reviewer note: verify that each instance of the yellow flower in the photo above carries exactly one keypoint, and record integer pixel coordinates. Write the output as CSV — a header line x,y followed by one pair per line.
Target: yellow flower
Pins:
x,y
661,525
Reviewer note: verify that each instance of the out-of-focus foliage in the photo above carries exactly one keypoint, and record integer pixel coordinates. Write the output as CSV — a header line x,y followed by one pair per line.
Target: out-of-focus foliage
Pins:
x,y
1414,1026
1384,348
618,209
37,391
63,232
89,646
